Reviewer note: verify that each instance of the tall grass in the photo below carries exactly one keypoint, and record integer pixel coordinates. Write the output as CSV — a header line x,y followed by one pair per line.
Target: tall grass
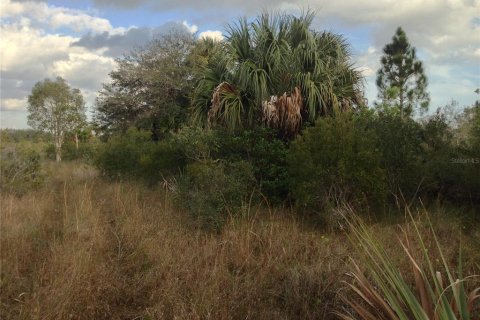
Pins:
x,y
84,248
88,249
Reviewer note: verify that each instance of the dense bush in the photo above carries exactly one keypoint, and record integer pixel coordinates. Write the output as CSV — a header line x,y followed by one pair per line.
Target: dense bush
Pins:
x,y
424,158
259,147
336,161
451,163
20,168
135,155
212,190
85,151
266,154
399,140
367,158
437,152
228,169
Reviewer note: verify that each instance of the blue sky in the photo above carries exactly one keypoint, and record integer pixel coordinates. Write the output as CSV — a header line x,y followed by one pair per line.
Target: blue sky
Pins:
x,y
79,40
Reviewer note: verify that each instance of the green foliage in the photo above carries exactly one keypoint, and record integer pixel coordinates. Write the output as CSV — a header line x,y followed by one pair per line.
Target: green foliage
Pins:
x,y
276,67
260,147
86,151
471,123
20,168
452,167
265,152
212,190
401,81
399,141
228,169
423,159
196,144
78,145
252,94
22,135
336,161
135,155
56,108
150,87
437,152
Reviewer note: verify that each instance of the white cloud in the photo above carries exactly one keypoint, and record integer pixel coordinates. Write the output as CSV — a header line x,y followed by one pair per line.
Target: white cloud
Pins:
x,y
54,17
86,70
14,104
30,54
443,28
368,62
192,28
31,50
212,34
26,48
445,33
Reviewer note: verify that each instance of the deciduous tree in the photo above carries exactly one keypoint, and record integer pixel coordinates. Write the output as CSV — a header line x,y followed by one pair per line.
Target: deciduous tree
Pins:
x,y
150,87
56,108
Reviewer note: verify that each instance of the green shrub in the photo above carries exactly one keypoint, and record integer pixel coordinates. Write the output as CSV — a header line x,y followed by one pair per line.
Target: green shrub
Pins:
x,y
259,147
212,190
336,161
439,174
20,168
399,141
265,152
448,169
135,155
86,151
196,144
24,135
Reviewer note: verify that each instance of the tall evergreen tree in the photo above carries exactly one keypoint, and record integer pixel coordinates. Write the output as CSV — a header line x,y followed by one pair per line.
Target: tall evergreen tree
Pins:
x,y
401,81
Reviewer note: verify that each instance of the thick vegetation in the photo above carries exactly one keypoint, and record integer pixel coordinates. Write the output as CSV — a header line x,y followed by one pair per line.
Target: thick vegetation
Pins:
x,y
223,180
278,71
316,150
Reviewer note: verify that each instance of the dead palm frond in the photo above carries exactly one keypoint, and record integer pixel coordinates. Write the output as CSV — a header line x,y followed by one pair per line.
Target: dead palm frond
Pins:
x,y
285,111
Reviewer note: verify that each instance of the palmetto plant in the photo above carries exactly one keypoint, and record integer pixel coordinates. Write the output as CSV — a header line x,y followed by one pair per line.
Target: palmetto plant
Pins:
x,y
384,293
278,70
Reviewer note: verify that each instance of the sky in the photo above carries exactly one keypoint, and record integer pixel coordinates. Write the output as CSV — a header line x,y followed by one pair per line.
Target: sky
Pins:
x,y
79,40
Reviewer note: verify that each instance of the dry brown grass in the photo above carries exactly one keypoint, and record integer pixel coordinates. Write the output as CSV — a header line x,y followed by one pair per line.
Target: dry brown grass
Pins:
x,y
83,248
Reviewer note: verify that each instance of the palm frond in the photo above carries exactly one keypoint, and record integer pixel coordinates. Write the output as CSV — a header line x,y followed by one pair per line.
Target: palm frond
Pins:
x,y
227,106
385,294
271,62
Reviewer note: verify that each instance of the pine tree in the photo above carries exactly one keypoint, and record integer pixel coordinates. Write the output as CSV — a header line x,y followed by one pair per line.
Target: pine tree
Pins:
x,y
401,81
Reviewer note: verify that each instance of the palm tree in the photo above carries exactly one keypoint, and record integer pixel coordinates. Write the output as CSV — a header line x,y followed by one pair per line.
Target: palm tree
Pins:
x,y
278,71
